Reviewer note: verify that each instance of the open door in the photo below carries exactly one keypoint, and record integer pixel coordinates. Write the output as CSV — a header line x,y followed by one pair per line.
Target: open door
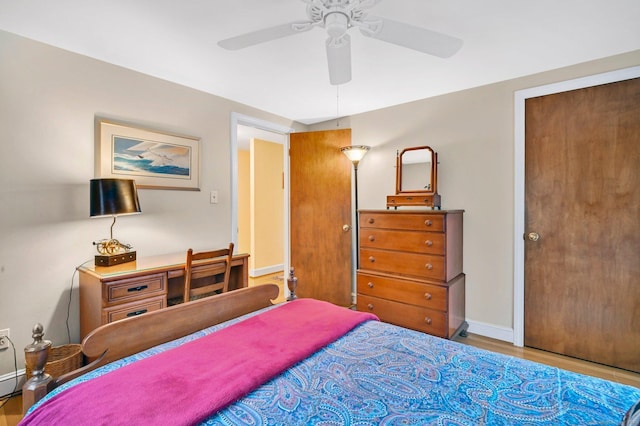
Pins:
x,y
320,220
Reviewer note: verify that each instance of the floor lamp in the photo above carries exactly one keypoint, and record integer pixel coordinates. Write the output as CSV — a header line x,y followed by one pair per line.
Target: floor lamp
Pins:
x,y
355,153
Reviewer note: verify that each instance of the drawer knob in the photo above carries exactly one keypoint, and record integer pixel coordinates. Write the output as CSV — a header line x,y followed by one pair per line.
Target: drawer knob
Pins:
x,y
370,306
428,222
372,259
429,266
428,296
427,320
372,220
372,238
139,288
370,285
429,243
136,313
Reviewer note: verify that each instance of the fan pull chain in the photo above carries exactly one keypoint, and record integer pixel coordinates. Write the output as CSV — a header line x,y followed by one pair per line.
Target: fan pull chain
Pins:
x,y
337,106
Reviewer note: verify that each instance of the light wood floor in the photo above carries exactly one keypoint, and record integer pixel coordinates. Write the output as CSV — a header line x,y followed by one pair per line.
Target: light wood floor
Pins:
x,y
566,363
11,413
276,278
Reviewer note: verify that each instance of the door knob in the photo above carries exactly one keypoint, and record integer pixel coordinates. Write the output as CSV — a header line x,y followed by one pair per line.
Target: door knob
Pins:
x,y
346,227
533,236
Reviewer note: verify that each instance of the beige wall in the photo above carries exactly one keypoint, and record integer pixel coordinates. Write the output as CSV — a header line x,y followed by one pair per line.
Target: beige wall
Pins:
x,y
244,203
267,242
473,133
261,206
48,101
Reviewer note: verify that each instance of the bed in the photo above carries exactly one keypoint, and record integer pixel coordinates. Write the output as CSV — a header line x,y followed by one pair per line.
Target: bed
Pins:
x,y
242,361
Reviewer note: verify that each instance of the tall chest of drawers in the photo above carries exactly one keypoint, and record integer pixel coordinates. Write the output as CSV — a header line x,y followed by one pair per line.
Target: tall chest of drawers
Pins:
x,y
411,269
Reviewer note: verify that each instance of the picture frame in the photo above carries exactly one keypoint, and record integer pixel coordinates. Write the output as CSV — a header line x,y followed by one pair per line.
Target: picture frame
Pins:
x,y
154,159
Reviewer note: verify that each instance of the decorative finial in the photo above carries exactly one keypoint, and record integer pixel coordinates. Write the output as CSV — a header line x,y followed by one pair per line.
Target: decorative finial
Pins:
x,y
292,283
37,333
36,352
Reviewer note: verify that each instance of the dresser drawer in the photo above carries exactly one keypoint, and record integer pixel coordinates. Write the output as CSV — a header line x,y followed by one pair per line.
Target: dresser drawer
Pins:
x,y
404,291
133,309
130,289
412,222
409,316
413,264
417,242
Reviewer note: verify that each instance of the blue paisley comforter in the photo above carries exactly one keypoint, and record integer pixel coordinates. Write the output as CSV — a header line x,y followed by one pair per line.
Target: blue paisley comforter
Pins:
x,y
380,374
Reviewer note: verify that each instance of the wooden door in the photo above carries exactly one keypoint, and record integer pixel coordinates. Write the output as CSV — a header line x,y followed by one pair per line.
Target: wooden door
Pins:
x,y
320,204
582,276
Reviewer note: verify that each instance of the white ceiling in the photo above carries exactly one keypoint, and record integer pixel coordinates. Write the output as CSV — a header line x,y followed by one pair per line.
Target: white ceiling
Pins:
x,y
176,40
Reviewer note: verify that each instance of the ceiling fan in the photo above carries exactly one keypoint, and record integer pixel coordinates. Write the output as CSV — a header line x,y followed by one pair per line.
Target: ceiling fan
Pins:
x,y
337,17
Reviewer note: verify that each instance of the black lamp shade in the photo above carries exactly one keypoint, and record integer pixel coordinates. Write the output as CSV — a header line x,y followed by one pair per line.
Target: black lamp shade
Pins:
x,y
112,197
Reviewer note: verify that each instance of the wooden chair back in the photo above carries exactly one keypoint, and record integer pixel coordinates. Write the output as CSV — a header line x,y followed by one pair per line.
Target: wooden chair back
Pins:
x,y
197,270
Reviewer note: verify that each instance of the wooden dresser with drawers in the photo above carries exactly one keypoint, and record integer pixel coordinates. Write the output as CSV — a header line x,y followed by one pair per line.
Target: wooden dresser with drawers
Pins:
x,y
411,269
130,289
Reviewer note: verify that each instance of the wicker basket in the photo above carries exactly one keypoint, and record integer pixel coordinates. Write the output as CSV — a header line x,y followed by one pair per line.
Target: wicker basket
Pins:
x,y
61,360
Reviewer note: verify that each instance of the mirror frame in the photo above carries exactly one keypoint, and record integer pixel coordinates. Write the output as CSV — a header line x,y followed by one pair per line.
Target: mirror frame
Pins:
x,y
432,176
416,197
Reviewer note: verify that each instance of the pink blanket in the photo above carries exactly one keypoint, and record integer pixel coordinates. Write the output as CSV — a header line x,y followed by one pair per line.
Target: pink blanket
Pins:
x,y
187,384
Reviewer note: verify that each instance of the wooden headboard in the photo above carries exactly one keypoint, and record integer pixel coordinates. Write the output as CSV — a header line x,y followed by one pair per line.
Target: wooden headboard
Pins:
x,y
129,336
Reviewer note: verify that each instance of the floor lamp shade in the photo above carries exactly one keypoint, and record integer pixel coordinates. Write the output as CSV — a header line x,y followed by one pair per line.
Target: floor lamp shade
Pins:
x,y
113,197
355,153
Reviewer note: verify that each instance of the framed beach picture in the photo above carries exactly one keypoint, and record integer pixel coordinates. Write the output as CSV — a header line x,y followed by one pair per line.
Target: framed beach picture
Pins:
x,y
155,159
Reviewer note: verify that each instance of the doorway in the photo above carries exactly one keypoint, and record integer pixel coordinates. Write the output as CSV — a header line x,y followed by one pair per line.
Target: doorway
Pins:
x,y
519,207
259,194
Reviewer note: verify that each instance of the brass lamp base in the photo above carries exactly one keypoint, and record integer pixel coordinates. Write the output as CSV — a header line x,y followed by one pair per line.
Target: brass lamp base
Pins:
x,y
115,259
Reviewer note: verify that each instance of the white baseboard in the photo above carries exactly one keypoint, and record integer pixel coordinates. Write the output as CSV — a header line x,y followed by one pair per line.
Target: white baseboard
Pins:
x,y
253,273
488,330
8,382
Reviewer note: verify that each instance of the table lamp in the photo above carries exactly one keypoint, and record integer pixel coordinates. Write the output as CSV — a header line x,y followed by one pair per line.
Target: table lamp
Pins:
x,y
113,197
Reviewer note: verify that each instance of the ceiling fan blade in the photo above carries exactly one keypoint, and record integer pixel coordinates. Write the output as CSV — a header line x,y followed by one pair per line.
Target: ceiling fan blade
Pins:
x,y
412,37
264,35
339,59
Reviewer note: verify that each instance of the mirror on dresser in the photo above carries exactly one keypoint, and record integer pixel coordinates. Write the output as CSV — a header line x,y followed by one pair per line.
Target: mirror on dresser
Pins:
x,y
416,178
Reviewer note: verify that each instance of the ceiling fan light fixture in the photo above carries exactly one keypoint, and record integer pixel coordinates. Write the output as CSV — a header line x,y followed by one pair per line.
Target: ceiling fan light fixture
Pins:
x,y
339,59
336,24
336,17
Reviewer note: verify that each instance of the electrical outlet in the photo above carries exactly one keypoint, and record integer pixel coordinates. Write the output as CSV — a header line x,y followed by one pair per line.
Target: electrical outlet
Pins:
x,y
4,342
